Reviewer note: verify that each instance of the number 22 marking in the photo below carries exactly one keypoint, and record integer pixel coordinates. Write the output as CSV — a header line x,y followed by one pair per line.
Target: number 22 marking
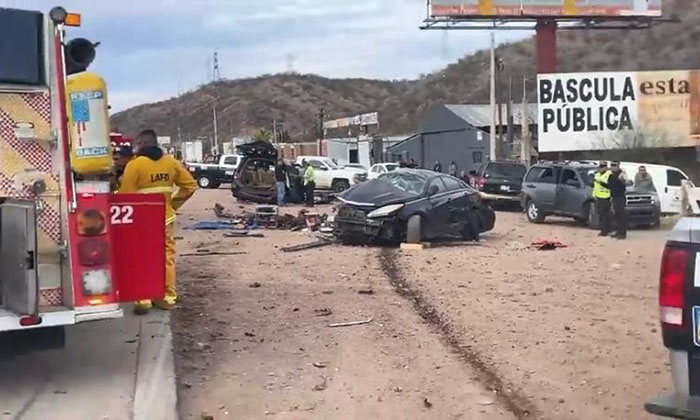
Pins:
x,y
122,215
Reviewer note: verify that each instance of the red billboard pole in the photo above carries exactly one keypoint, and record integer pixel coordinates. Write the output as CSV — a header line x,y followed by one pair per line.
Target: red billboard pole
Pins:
x,y
546,45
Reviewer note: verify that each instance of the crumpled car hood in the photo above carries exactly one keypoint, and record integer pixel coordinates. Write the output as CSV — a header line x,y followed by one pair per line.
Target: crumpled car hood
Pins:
x,y
375,193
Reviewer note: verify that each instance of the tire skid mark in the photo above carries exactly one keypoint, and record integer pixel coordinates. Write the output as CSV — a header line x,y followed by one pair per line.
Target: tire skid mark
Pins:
x,y
514,401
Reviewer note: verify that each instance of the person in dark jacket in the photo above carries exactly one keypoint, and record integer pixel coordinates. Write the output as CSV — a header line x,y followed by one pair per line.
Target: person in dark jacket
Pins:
x,y
437,167
618,191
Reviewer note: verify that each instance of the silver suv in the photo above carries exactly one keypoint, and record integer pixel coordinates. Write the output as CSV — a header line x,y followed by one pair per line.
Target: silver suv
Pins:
x,y
564,189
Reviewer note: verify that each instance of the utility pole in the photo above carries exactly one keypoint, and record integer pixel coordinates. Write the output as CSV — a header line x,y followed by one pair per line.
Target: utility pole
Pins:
x,y
509,112
492,132
525,147
274,131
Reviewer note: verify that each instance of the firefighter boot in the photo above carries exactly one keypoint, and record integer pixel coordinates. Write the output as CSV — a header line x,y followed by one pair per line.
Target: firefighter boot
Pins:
x,y
141,307
168,302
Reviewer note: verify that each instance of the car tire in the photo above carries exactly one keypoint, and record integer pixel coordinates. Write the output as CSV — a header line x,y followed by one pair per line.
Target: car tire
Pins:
x,y
593,219
204,182
340,185
585,211
534,213
473,226
414,233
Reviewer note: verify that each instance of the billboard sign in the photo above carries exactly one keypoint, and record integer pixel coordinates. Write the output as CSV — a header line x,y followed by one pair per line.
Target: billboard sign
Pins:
x,y
618,110
365,119
537,8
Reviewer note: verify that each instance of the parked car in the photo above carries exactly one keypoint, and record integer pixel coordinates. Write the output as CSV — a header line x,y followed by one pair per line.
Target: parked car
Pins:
x,y
500,180
564,189
330,176
412,205
254,179
381,168
679,301
212,175
667,180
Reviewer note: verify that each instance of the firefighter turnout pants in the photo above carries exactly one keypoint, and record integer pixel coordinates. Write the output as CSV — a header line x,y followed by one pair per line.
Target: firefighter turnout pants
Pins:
x,y
170,298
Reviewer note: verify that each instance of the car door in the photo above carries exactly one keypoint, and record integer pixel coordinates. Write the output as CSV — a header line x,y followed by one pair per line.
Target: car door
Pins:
x,y
457,205
541,185
570,194
228,167
437,209
372,173
322,173
671,201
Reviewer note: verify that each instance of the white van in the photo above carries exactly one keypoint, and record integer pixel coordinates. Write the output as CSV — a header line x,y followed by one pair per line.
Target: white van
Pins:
x,y
667,180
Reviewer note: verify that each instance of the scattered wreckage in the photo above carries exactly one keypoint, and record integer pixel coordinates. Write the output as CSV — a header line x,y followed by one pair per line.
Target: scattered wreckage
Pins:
x,y
411,205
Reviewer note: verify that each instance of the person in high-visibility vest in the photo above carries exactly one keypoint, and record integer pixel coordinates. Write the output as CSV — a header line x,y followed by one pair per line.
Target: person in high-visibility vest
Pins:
x,y
601,194
152,171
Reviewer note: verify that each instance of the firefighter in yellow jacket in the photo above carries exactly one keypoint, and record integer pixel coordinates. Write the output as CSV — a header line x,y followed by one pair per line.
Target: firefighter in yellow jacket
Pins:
x,y
151,171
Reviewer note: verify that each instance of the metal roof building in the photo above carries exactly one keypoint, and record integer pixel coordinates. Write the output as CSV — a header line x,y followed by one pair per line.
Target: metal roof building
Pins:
x,y
460,133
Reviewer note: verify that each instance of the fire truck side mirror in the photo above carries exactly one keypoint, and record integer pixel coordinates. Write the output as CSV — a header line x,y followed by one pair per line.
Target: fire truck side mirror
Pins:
x,y
79,54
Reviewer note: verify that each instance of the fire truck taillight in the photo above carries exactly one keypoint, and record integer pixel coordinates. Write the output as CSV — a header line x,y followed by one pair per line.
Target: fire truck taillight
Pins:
x,y
96,282
91,222
93,251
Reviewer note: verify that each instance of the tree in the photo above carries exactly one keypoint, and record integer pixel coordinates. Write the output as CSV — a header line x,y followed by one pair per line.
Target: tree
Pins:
x,y
262,135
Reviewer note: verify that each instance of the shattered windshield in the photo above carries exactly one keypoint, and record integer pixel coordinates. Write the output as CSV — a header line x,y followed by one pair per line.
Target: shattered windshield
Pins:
x,y
410,182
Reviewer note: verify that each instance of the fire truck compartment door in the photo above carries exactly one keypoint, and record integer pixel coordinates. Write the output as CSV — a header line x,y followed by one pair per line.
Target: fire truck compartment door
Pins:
x,y
137,223
18,270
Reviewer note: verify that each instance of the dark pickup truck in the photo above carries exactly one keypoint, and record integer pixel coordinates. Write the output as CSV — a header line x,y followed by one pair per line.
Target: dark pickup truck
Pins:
x,y
212,175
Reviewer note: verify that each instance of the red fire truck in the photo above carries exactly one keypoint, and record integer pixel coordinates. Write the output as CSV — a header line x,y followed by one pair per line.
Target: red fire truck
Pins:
x,y
70,250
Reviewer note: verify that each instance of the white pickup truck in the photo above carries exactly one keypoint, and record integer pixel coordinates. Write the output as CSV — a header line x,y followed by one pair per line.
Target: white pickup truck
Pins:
x,y
330,176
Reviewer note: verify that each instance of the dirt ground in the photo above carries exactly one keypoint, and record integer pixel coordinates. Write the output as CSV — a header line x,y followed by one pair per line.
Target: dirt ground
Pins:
x,y
494,330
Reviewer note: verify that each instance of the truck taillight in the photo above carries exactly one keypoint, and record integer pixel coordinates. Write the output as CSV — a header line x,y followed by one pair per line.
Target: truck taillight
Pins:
x,y
674,265
93,251
91,222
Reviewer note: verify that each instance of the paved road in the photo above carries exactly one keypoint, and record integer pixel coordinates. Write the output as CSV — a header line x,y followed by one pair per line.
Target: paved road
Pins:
x,y
117,369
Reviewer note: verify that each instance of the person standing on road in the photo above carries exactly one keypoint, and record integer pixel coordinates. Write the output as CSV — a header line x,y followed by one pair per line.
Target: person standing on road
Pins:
x,y
437,167
453,169
601,195
643,181
151,171
309,184
281,181
618,191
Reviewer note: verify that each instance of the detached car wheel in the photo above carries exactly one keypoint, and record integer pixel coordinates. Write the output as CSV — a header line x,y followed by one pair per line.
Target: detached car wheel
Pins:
x,y
534,213
340,186
204,182
413,230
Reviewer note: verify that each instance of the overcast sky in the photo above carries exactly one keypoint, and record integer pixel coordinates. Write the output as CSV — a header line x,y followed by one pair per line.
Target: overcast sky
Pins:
x,y
154,49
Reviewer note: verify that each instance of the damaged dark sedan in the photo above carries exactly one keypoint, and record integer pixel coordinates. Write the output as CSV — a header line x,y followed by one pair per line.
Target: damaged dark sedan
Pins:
x,y
412,205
